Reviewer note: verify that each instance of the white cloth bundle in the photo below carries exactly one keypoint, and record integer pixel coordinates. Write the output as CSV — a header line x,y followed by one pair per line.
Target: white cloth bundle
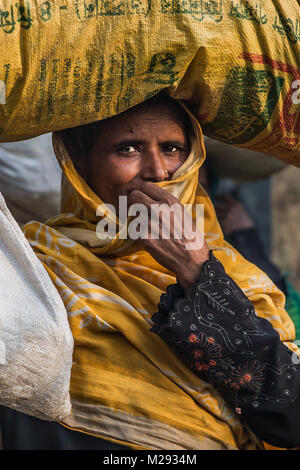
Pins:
x,y
36,344
30,179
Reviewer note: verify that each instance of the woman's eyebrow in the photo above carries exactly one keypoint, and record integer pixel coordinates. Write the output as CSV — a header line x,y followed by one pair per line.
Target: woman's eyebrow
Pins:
x,y
176,143
123,143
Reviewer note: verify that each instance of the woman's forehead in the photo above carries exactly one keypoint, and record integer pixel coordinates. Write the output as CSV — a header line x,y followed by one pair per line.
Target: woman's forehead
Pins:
x,y
159,119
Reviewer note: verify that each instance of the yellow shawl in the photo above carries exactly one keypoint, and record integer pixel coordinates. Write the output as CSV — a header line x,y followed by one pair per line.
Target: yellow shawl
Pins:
x,y
126,384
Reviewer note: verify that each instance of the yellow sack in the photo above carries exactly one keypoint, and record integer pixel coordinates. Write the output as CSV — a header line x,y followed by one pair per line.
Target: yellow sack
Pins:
x,y
68,62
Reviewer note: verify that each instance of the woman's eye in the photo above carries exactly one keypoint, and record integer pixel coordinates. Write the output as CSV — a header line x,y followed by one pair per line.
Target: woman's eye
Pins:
x,y
171,149
128,149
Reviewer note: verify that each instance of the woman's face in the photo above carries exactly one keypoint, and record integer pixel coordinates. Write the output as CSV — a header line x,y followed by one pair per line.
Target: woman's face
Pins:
x,y
142,144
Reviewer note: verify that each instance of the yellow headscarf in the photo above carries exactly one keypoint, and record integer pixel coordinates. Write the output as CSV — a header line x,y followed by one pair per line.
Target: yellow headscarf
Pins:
x,y
126,384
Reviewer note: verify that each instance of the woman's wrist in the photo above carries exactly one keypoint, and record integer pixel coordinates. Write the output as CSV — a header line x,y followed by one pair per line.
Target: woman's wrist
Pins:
x,y
188,273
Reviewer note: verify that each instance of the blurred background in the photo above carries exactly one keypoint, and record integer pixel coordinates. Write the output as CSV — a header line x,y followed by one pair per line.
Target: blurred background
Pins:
x,y
285,212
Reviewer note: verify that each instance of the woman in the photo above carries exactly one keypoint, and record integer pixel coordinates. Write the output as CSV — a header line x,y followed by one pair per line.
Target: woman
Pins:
x,y
204,372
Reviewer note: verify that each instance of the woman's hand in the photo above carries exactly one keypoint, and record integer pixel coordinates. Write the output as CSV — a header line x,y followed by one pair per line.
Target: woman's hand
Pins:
x,y
176,244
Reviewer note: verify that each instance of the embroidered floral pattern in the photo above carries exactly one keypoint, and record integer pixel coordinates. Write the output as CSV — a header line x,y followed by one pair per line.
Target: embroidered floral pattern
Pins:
x,y
204,351
205,347
249,375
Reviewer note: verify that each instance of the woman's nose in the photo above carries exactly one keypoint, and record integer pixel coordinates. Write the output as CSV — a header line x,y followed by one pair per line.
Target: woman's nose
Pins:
x,y
154,167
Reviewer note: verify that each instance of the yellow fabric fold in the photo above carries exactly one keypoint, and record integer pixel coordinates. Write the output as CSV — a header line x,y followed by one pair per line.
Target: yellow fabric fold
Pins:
x,y
126,384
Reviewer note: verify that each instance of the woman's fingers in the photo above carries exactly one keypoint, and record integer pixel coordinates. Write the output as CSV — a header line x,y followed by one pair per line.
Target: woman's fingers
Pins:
x,y
149,194
162,218
158,194
139,197
171,238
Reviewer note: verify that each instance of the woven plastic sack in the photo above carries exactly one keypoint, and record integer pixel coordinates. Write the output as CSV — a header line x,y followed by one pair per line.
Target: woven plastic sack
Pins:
x,y
70,62
30,179
36,343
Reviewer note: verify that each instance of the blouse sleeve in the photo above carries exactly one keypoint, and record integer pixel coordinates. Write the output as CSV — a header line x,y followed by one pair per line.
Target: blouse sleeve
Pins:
x,y
214,329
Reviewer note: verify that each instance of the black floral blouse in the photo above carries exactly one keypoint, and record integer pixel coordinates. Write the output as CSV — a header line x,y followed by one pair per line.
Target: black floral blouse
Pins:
x,y
214,330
